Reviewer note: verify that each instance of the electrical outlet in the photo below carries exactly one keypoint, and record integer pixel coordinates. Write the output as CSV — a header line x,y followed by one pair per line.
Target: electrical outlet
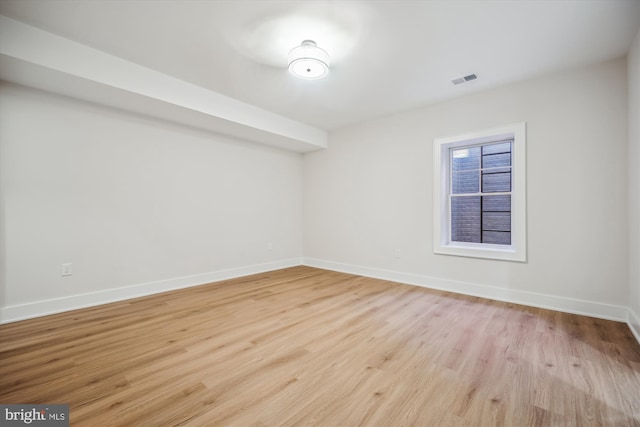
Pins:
x,y
65,269
398,253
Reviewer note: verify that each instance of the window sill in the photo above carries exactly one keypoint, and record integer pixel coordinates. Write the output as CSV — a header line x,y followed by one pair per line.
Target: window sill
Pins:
x,y
497,252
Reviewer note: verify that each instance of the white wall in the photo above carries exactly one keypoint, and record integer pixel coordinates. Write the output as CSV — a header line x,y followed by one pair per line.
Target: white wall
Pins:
x,y
634,184
132,201
139,205
370,192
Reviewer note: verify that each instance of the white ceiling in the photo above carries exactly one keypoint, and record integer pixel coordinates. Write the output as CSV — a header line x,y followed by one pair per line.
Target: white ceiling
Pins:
x,y
387,56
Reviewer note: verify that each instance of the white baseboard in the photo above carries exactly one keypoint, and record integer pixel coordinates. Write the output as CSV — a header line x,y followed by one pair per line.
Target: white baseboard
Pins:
x,y
633,320
570,305
74,302
551,302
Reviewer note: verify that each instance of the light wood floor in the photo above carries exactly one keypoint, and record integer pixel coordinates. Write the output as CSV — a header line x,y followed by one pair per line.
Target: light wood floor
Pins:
x,y
304,346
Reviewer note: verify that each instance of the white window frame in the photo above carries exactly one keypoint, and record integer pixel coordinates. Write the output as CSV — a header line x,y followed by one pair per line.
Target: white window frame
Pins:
x,y
442,243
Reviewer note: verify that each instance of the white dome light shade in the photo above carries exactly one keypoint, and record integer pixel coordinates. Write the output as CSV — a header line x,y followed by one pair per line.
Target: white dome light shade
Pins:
x,y
308,61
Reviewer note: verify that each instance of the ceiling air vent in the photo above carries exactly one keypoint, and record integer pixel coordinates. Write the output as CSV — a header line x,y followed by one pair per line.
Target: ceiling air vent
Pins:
x,y
464,79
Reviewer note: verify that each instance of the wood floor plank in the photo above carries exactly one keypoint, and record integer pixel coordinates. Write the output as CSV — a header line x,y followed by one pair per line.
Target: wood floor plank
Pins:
x,y
305,346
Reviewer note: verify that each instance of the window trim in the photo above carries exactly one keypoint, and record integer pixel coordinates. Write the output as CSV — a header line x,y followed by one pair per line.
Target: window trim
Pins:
x,y
442,244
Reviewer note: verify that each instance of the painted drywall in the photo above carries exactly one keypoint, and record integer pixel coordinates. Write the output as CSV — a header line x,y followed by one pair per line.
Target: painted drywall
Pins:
x,y
37,58
633,60
139,205
130,201
369,194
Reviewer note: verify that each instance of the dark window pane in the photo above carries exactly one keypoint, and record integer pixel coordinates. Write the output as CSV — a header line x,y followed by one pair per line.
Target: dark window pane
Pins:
x,y
496,182
502,147
465,159
496,221
496,237
481,219
496,203
465,182
465,219
496,160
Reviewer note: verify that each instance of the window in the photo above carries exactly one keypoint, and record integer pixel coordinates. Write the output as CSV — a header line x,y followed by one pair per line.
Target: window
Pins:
x,y
479,194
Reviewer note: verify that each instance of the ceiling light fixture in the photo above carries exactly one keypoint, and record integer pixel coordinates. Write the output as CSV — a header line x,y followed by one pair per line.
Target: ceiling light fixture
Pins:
x,y
308,61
